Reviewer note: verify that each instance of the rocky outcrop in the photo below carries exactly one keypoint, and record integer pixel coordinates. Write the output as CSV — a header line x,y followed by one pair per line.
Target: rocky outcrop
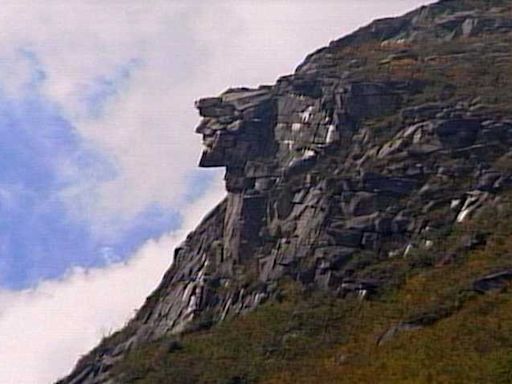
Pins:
x,y
493,282
328,165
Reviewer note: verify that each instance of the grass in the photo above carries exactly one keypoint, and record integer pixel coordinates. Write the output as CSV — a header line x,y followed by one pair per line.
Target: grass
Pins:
x,y
305,336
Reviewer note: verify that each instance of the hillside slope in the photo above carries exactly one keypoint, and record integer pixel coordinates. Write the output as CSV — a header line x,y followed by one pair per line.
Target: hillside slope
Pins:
x,y
366,227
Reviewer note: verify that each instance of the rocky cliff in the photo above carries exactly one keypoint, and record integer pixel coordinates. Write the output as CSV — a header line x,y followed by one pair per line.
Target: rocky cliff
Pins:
x,y
377,148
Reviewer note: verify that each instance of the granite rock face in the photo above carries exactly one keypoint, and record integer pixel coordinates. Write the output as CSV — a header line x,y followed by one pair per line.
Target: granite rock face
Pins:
x,y
322,168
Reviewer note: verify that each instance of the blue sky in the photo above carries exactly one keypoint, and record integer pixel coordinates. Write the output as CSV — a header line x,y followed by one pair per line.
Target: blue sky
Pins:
x,y
42,156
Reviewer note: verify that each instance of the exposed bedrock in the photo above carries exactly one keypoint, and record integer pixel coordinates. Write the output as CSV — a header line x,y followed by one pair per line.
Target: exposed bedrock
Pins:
x,y
329,170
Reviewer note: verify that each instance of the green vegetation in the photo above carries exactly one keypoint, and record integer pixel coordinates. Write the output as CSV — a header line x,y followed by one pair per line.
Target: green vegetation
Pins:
x,y
303,337
244,349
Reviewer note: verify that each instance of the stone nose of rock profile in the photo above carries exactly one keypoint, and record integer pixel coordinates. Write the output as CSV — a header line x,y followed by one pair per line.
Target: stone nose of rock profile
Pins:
x,y
235,126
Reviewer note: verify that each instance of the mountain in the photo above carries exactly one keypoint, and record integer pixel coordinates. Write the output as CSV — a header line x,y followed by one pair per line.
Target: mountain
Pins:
x,y
366,232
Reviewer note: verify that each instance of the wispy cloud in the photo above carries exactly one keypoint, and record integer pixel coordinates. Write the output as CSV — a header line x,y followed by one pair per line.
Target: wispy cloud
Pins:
x,y
36,230
45,329
95,95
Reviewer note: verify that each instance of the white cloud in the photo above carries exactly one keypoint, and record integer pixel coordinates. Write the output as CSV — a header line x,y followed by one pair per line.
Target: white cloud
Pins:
x,y
186,50
45,329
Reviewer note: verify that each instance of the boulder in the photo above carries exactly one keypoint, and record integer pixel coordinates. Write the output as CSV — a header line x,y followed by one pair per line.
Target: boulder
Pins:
x,y
366,203
393,185
489,181
457,133
346,237
422,112
366,100
493,282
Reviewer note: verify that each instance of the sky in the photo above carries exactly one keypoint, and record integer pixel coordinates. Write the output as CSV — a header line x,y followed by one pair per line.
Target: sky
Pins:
x,y
98,164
